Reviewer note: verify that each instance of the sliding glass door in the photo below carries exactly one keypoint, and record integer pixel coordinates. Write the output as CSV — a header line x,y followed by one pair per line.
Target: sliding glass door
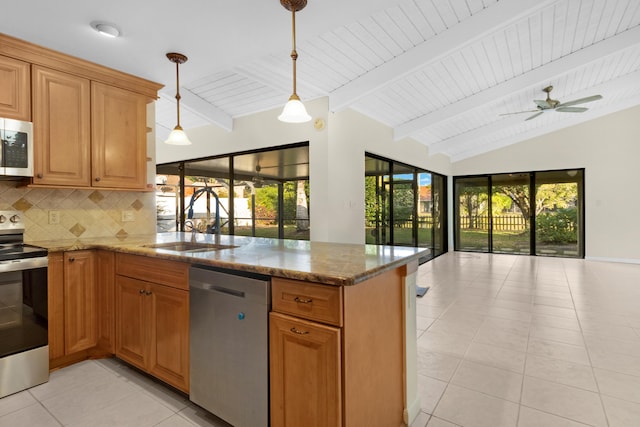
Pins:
x,y
472,214
537,213
511,213
559,213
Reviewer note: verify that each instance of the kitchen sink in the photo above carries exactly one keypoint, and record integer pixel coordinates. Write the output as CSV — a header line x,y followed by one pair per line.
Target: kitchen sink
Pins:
x,y
189,246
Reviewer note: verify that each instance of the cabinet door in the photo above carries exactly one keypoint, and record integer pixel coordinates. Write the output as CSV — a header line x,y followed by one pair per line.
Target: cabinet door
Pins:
x,y
80,301
15,94
169,344
131,320
305,372
119,137
55,306
105,281
61,123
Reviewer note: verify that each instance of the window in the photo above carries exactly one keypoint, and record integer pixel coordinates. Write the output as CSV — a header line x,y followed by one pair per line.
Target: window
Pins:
x,y
404,205
263,193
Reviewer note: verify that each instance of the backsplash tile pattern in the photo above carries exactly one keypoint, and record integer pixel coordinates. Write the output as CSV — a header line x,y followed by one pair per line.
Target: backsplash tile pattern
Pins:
x,y
83,213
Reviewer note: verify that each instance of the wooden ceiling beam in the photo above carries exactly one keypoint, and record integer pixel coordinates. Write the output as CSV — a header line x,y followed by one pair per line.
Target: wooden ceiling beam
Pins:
x,y
483,23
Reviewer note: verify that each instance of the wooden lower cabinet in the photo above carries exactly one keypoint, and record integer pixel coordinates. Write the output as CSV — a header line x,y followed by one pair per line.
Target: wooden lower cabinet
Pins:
x,y
131,321
72,303
105,282
305,373
152,329
80,301
337,353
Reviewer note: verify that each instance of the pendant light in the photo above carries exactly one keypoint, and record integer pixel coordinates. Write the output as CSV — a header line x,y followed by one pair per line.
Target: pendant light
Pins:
x,y
177,135
294,111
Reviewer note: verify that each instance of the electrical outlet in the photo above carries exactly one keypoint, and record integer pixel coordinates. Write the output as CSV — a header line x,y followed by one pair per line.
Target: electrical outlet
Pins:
x,y
54,217
128,216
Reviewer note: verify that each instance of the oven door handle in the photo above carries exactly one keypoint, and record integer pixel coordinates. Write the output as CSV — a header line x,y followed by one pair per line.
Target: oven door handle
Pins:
x,y
23,264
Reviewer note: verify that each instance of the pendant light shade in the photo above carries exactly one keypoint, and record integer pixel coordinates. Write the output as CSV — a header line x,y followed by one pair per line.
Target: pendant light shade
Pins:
x,y
294,111
177,135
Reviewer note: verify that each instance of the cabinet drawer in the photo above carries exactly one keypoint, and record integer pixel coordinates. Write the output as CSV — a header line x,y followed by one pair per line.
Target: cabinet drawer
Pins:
x,y
322,303
162,271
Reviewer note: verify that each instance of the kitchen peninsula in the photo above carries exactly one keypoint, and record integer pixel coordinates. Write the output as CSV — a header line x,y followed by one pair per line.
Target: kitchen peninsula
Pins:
x,y
359,299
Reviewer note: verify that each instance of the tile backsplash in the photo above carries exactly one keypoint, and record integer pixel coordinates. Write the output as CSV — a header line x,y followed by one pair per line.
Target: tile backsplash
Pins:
x,y
82,213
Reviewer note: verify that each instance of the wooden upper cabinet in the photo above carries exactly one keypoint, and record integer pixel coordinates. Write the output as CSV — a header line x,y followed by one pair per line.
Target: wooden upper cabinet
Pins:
x,y
15,93
62,128
119,140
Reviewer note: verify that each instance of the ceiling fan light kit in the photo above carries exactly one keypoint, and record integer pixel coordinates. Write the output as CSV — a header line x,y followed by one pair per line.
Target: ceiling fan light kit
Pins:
x,y
555,105
294,110
177,135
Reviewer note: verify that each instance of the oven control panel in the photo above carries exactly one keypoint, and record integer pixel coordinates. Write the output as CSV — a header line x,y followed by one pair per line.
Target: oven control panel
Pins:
x,y
11,222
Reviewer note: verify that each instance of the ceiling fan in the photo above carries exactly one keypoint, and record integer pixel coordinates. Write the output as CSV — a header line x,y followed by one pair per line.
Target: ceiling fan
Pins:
x,y
555,105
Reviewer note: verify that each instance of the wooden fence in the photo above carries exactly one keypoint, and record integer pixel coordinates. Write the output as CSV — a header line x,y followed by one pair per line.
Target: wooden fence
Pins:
x,y
500,223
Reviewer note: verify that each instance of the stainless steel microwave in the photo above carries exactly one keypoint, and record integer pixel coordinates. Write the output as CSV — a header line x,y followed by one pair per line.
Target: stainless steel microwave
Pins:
x,y
16,156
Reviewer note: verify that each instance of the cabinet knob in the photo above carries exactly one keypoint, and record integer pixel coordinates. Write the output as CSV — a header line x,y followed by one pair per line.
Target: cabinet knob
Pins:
x,y
298,331
148,293
141,291
303,300
97,179
71,259
39,176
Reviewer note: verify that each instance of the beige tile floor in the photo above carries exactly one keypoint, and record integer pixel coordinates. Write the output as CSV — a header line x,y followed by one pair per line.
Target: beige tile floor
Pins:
x,y
102,393
522,341
503,340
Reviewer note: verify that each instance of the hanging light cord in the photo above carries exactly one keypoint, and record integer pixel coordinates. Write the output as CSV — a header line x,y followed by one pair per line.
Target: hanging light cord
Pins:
x,y
178,95
294,53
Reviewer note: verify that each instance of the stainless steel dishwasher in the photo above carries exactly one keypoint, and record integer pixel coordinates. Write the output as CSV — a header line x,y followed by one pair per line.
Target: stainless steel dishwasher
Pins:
x,y
229,336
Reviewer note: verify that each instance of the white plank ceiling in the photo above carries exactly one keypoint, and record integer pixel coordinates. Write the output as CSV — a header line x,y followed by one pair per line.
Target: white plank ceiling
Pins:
x,y
439,71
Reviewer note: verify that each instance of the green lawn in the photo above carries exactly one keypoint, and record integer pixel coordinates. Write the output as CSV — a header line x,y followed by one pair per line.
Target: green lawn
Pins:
x,y
513,242
290,232
403,236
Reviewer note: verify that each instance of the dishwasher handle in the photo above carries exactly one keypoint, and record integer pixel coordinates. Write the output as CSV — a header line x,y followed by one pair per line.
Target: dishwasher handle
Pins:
x,y
217,288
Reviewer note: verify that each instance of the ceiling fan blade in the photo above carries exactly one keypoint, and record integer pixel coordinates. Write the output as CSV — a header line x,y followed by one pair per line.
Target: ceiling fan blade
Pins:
x,y
572,109
581,101
519,112
534,116
542,104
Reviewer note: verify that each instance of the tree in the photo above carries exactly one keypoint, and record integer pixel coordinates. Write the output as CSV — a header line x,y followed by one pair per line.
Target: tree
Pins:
x,y
519,194
548,197
473,203
302,209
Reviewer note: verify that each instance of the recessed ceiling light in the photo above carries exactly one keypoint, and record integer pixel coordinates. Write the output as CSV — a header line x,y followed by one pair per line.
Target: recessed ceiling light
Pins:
x,y
106,29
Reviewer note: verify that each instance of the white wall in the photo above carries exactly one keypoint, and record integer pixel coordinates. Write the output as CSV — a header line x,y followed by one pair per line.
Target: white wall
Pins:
x,y
336,155
609,150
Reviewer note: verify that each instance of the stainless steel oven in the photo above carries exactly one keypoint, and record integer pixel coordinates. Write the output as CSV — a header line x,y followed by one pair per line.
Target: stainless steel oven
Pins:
x,y
24,349
16,155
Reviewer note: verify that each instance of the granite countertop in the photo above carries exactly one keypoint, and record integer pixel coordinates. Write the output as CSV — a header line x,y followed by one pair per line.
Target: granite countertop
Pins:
x,y
339,264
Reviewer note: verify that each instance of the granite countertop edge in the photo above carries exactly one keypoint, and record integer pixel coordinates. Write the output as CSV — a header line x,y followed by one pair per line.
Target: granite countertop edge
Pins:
x,y
137,245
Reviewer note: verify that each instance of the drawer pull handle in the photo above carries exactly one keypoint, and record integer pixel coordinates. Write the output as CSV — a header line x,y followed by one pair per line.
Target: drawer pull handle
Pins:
x,y
303,300
299,332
